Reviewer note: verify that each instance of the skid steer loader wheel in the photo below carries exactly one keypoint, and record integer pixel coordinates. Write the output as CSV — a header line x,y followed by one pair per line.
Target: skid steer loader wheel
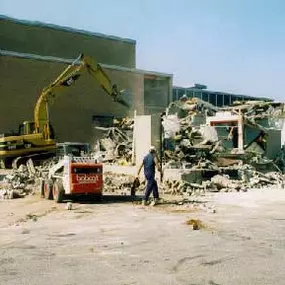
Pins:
x,y
58,191
48,189
42,188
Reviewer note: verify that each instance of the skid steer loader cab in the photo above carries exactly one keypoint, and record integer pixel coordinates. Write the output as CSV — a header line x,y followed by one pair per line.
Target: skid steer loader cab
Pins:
x,y
72,149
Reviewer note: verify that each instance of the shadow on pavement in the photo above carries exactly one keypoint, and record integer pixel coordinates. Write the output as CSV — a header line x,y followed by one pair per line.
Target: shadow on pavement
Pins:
x,y
114,199
107,199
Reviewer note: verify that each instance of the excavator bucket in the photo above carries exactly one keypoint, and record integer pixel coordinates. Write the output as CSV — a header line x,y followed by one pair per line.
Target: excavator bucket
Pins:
x,y
119,96
119,99
122,102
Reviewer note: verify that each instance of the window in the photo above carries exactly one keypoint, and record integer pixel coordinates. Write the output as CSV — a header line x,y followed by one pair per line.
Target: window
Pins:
x,y
189,93
197,94
234,98
174,94
205,96
227,100
220,102
213,99
181,92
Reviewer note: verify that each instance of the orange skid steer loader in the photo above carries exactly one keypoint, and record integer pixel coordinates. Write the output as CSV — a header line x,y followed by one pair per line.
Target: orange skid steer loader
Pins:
x,y
75,173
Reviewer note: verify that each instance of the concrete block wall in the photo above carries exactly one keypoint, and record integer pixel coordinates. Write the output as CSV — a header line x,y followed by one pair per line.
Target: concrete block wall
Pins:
x,y
51,40
157,94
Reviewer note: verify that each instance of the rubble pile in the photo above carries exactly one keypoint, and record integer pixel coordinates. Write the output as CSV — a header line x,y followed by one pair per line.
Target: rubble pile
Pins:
x,y
253,111
186,137
247,178
119,183
116,144
20,182
191,143
191,107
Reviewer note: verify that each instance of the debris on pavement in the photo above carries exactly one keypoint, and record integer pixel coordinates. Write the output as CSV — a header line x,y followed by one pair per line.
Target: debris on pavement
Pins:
x,y
196,224
69,206
19,182
120,183
246,178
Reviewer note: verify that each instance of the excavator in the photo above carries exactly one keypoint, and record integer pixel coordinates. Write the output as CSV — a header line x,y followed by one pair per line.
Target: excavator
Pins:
x,y
36,139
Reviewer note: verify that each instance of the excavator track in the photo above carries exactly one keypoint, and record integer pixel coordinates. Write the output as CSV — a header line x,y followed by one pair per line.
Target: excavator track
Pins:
x,y
37,158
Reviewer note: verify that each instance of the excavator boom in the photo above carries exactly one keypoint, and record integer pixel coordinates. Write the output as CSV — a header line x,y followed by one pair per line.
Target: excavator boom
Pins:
x,y
72,73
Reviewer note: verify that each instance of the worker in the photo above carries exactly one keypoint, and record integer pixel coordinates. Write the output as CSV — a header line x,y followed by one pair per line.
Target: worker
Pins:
x,y
150,161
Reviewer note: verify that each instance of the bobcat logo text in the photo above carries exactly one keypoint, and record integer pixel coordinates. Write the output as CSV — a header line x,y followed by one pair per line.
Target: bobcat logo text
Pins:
x,y
84,178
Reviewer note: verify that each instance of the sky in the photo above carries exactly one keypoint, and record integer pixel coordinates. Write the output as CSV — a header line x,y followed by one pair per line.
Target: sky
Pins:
x,y
229,45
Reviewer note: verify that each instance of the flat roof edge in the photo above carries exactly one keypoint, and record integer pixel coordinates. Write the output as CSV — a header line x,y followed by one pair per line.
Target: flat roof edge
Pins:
x,y
222,93
65,29
69,61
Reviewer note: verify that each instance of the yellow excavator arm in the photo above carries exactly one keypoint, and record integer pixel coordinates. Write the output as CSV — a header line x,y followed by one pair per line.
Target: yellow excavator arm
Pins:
x,y
67,78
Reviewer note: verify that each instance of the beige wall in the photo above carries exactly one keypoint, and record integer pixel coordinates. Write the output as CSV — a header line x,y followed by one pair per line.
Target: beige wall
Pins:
x,y
156,94
71,113
16,36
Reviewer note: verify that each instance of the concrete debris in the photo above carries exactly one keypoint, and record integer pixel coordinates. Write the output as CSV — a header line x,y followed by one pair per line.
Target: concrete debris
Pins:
x,y
196,224
187,138
20,182
120,183
246,178
223,182
191,107
6,194
69,206
116,144
254,111
198,138
196,126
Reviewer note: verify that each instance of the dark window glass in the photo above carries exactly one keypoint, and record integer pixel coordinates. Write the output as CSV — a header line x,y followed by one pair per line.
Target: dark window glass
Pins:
x,y
197,94
219,100
205,96
174,94
181,92
234,98
226,100
87,170
189,93
213,98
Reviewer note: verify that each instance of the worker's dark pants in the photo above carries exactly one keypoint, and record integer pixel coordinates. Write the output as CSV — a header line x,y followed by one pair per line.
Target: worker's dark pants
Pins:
x,y
151,186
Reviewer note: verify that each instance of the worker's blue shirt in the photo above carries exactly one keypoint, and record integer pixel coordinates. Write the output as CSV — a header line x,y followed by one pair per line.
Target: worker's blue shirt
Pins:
x,y
149,166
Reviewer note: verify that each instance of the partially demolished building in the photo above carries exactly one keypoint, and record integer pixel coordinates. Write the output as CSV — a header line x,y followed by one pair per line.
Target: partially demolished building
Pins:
x,y
235,147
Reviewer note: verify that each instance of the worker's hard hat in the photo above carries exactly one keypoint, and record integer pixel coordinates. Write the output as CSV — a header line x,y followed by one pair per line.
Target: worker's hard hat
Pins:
x,y
152,148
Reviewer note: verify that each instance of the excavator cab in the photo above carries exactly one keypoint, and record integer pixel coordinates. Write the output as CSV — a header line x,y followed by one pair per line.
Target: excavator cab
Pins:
x,y
27,128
